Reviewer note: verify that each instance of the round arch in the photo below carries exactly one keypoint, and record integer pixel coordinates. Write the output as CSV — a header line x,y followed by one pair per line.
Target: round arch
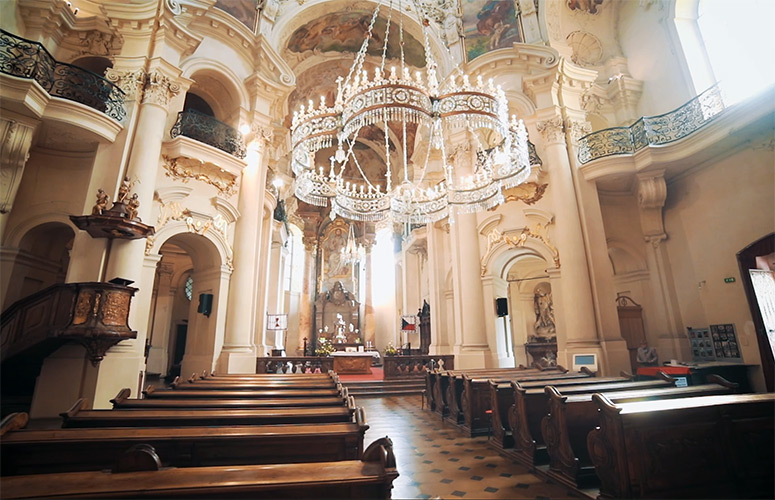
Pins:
x,y
174,228
212,74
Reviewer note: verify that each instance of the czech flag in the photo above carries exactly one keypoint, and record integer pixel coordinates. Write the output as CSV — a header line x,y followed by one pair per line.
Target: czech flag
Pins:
x,y
407,323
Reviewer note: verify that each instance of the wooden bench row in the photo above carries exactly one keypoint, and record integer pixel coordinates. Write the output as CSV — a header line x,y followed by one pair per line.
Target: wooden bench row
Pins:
x,y
548,420
141,475
83,449
298,443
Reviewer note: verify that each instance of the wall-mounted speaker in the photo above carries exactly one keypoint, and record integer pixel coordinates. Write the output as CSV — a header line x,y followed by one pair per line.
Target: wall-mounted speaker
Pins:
x,y
205,304
502,306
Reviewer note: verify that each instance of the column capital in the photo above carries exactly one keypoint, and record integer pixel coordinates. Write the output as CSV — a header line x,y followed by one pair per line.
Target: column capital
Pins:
x,y
130,81
552,130
159,88
577,129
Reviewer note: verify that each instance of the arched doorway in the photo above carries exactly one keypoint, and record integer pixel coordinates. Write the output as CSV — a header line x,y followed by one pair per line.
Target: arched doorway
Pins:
x,y
184,336
530,306
40,260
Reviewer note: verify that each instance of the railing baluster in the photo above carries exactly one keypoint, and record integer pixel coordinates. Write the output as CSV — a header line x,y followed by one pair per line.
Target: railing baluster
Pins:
x,y
653,130
206,129
27,59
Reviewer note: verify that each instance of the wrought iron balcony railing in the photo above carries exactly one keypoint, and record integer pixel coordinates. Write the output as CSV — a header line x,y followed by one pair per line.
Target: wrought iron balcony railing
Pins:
x,y
205,128
28,59
653,130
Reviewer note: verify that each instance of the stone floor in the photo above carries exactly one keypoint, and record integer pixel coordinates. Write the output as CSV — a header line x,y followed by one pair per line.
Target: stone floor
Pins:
x,y
435,459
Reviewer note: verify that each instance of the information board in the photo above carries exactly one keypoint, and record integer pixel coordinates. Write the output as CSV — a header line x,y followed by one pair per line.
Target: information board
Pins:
x,y
725,343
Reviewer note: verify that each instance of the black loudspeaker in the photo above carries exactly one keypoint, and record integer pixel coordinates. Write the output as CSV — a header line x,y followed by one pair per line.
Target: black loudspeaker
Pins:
x,y
502,307
205,304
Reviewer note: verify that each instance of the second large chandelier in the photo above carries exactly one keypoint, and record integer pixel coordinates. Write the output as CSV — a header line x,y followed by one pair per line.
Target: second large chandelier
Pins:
x,y
444,147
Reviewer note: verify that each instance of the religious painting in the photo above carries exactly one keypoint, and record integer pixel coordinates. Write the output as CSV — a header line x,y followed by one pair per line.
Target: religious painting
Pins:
x,y
333,246
344,31
245,11
590,6
489,25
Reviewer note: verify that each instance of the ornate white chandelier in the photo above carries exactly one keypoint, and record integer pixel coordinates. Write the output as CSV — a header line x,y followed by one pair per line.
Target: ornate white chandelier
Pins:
x,y
465,149
351,252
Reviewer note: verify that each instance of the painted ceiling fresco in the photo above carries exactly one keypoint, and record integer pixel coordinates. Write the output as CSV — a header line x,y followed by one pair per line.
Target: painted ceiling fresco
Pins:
x,y
244,10
344,31
489,25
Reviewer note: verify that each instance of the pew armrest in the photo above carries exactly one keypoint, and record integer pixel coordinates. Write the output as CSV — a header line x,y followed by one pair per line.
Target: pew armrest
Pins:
x,y
13,422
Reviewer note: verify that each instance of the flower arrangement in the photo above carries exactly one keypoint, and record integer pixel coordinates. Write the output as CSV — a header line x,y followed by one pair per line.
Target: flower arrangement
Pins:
x,y
390,350
325,348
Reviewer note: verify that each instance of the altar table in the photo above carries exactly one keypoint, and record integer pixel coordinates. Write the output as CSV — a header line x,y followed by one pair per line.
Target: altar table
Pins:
x,y
352,363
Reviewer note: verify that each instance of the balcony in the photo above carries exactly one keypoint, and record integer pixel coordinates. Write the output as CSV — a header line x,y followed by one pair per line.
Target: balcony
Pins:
x,y
208,130
30,60
653,130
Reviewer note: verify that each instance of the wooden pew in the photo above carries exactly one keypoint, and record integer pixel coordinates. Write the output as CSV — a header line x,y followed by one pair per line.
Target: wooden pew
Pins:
x,y
257,385
122,401
140,474
153,393
441,384
74,450
475,401
454,385
703,447
77,416
502,398
571,418
267,376
531,405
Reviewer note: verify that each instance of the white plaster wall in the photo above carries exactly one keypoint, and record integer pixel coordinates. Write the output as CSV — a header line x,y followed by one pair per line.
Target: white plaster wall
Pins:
x,y
710,215
648,41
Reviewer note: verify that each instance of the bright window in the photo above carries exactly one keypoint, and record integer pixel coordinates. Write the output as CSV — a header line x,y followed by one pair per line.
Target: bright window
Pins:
x,y
728,42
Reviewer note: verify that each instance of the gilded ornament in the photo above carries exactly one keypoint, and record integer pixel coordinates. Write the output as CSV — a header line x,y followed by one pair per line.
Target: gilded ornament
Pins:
x,y
185,169
529,192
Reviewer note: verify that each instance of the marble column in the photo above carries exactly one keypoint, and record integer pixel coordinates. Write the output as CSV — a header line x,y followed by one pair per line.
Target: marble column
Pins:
x,y
369,322
158,355
474,350
125,362
239,352
306,300
275,289
263,344
652,193
580,333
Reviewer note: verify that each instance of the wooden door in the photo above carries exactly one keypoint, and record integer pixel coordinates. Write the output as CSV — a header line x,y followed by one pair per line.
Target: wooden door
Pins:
x,y
631,325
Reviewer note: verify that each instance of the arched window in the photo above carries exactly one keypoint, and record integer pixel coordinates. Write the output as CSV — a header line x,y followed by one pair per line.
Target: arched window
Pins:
x,y
728,42
188,288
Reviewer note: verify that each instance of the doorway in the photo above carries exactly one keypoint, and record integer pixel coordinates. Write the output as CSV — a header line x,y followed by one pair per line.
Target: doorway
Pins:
x,y
757,272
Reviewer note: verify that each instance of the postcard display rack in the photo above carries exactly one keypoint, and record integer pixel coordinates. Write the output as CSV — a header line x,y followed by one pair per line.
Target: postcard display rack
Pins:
x,y
717,343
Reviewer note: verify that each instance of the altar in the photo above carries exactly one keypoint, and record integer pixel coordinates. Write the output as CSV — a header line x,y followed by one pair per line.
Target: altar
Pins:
x,y
352,363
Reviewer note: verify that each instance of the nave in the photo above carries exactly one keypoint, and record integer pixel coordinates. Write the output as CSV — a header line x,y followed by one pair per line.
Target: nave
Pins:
x,y
434,458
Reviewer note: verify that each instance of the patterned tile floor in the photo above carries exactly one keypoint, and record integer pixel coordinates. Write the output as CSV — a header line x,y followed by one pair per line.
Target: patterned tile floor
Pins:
x,y
435,459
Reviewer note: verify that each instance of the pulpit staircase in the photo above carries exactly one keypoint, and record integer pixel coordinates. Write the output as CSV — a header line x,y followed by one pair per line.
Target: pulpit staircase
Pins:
x,y
91,314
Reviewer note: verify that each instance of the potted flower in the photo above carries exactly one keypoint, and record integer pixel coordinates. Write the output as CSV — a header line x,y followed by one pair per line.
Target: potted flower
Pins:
x,y
390,350
325,348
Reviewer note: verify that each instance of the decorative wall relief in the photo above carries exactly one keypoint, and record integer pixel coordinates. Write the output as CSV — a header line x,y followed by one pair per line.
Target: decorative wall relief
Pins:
x,y
185,169
196,222
537,231
586,6
489,25
528,192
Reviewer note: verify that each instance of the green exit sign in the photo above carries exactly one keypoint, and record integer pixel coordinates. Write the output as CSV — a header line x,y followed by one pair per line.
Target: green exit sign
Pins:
x,y
729,280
